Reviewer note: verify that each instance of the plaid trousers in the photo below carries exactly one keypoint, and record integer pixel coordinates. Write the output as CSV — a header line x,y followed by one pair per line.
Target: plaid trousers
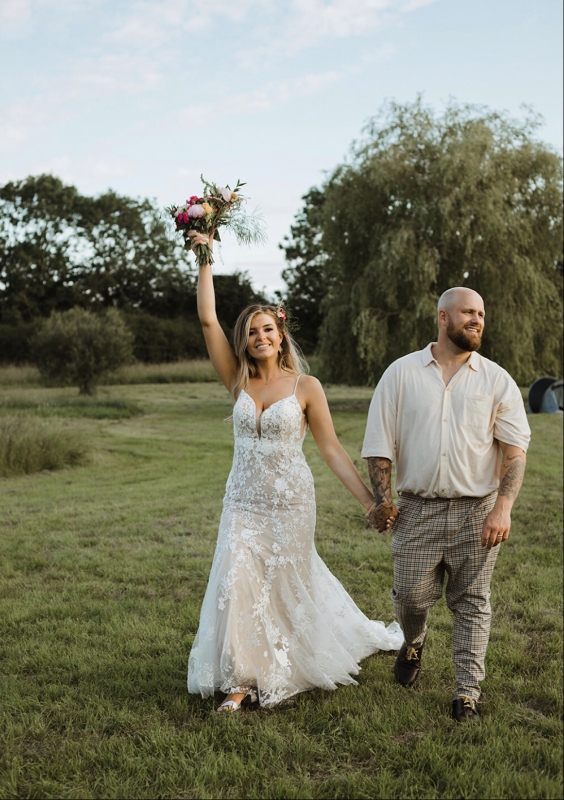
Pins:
x,y
431,537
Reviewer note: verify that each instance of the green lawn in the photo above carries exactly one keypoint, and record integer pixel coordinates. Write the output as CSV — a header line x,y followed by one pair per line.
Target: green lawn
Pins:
x,y
103,569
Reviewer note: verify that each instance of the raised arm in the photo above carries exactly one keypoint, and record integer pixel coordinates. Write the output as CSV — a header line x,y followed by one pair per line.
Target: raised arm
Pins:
x,y
219,350
333,453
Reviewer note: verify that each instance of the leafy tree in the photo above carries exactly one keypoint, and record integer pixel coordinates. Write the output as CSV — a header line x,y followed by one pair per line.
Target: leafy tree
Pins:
x,y
79,347
427,202
305,275
38,222
232,294
136,261
158,339
59,249
16,342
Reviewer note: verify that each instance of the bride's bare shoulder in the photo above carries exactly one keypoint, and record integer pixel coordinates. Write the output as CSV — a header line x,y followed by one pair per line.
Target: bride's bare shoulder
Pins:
x,y
310,388
308,381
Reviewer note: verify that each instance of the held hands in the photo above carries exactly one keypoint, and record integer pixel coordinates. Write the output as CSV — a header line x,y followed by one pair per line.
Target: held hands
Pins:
x,y
382,516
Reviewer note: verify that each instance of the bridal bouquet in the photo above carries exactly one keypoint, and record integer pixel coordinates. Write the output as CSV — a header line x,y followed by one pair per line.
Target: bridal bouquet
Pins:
x,y
216,207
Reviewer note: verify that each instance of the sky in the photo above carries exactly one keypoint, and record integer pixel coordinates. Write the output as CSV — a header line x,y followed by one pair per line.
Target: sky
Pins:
x,y
143,96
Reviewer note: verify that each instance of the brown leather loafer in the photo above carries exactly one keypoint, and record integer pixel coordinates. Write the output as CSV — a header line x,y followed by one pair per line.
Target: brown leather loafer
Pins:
x,y
464,708
408,664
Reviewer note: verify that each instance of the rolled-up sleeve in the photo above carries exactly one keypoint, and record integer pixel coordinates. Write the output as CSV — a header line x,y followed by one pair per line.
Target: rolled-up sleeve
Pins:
x,y
511,425
380,436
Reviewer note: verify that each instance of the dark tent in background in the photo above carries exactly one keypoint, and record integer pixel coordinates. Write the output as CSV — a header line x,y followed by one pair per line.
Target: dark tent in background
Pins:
x,y
545,396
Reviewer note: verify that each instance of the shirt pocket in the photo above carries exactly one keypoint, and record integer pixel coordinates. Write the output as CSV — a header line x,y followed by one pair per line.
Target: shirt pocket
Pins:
x,y
476,411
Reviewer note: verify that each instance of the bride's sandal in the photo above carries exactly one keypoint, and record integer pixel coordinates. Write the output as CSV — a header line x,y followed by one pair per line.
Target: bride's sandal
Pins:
x,y
230,705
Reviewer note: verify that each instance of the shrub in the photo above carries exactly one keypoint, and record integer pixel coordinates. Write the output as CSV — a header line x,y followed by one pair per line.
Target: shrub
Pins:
x,y
78,347
158,340
15,341
30,445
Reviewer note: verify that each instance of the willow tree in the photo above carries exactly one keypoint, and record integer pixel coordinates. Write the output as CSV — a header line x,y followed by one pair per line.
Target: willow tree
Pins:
x,y
426,202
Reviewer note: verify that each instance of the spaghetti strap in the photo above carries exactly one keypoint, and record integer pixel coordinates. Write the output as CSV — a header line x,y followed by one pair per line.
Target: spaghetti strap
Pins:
x,y
296,386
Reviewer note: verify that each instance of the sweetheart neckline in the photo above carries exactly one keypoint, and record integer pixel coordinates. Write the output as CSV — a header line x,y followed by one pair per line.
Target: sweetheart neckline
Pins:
x,y
288,396
258,417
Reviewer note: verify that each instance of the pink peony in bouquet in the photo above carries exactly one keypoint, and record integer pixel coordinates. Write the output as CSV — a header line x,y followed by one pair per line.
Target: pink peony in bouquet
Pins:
x,y
216,207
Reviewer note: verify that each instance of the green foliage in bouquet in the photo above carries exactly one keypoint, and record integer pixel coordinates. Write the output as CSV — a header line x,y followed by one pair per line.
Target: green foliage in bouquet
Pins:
x,y
217,207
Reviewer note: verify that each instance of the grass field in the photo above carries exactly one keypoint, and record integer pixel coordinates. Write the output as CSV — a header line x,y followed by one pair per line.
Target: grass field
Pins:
x,y
103,569
193,371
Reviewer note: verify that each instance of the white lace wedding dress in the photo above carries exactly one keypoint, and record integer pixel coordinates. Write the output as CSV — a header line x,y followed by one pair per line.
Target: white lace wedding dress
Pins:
x,y
274,618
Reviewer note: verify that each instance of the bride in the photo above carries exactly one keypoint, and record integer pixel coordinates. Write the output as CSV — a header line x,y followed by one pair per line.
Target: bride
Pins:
x,y
274,620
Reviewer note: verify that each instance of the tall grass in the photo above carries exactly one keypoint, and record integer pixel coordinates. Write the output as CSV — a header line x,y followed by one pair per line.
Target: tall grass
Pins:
x,y
31,445
197,371
19,375
194,371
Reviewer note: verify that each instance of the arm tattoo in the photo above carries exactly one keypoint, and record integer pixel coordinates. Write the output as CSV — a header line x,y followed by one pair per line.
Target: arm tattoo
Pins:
x,y
380,471
512,472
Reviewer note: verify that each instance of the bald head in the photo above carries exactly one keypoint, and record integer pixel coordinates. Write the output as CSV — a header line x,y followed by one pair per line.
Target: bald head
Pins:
x,y
460,316
459,296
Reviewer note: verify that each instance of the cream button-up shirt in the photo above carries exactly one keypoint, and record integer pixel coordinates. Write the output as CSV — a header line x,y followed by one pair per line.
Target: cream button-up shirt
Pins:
x,y
444,439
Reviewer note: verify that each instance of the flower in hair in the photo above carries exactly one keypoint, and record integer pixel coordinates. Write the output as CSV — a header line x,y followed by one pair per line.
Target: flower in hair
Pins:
x,y
281,314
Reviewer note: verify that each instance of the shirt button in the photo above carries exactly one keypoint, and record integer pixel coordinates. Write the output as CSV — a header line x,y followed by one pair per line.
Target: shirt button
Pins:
x,y
444,454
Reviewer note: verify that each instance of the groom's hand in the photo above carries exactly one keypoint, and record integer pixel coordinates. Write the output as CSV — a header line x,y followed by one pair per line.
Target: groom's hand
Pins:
x,y
382,516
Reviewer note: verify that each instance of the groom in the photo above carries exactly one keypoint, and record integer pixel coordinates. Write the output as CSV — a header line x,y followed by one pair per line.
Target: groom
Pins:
x,y
443,414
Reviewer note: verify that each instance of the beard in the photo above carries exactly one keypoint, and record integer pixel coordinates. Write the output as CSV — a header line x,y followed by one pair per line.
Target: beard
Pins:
x,y
460,338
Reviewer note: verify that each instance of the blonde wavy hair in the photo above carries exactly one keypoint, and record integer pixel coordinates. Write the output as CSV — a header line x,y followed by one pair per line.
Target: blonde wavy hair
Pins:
x,y
290,357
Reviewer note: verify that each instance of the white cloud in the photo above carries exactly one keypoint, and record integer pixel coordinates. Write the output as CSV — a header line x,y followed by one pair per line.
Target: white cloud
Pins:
x,y
307,24
413,5
27,120
19,17
24,120
14,15
268,96
312,21
89,173
111,74
278,26
135,54
92,175
151,23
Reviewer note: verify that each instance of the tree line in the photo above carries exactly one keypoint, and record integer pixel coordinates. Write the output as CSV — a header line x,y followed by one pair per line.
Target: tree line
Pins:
x,y
423,202
61,250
